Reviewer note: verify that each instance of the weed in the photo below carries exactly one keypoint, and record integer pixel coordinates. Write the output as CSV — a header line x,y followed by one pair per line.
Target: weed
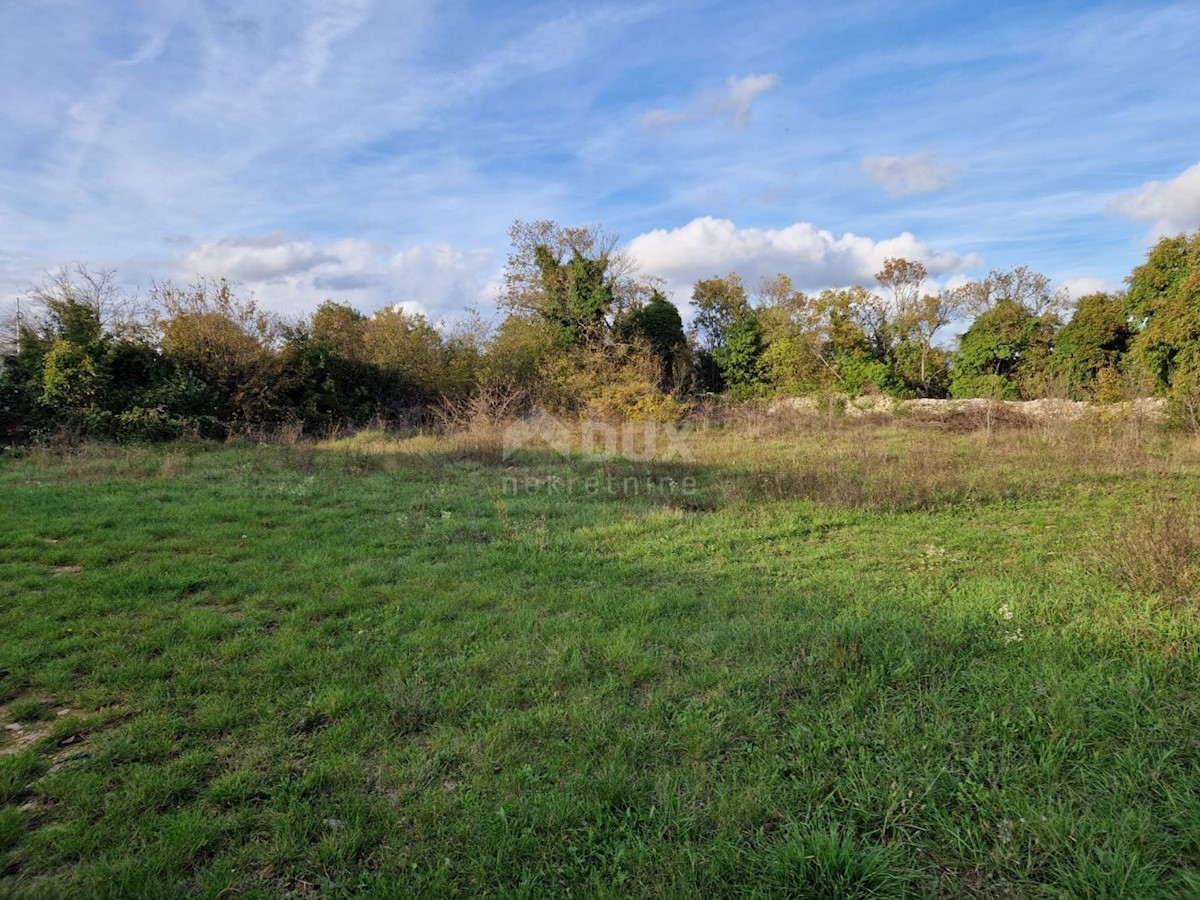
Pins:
x,y
1156,550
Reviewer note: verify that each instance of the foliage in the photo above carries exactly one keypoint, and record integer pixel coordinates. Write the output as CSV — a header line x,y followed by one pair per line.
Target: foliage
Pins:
x,y
1093,342
1164,301
71,381
659,326
1021,286
1005,348
516,353
584,332
226,341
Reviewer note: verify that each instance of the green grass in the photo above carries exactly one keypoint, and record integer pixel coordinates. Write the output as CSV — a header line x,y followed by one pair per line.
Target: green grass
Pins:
x,y
854,663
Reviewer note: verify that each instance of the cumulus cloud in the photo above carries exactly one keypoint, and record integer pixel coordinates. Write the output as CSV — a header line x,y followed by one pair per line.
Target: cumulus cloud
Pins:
x,y
909,176
734,104
440,276
261,258
1172,206
814,258
293,274
1081,287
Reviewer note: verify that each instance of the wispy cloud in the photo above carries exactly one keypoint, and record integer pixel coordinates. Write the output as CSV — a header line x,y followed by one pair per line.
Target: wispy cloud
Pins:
x,y
334,21
733,104
365,131
909,176
1172,205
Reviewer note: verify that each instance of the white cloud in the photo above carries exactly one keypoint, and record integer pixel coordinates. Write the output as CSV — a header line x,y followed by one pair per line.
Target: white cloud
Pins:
x,y
734,103
254,259
335,20
1081,287
293,274
908,176
1172,206
814,258
740,94
441,277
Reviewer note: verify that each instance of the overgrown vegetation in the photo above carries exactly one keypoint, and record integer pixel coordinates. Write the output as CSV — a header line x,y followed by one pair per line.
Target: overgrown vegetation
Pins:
x,y
585,333
821,657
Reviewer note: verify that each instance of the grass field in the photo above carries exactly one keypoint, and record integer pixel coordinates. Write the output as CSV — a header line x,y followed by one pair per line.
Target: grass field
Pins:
x,y
815,660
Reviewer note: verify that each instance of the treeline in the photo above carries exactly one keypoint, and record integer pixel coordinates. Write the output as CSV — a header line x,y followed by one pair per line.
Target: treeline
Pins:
x,y
584,332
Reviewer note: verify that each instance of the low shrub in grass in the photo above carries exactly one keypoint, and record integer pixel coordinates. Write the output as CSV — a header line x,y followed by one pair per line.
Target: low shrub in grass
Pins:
x,y
1157,551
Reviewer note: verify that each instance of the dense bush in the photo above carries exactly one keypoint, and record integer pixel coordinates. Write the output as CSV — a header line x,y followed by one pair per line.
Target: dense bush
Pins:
x,y
585,334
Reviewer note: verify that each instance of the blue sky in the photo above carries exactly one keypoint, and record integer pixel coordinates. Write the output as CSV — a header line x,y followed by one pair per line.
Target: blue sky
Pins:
x,y
377,151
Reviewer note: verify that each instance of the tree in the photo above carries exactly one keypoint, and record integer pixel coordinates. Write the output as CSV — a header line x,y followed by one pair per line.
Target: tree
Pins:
x,y
929,315
902,279
727,333
72,382
1164,302
1093,343
1029,290
660,326
719,302
738,357
80,297
339,328
859,338
577,294
794,358
226,341
917,316
573,277
514,356
1004,350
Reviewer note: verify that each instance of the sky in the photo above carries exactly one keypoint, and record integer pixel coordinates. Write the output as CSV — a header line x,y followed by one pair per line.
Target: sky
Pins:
x,y
377,151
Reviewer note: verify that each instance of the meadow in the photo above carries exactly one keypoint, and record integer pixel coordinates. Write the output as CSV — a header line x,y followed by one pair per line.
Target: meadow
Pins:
x,y
813,658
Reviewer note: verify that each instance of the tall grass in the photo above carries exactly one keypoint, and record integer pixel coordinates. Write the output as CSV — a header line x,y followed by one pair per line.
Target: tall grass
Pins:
x,y
1156,550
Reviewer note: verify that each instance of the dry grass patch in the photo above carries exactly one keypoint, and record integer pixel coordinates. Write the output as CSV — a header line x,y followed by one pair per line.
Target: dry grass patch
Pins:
x,y
1157,551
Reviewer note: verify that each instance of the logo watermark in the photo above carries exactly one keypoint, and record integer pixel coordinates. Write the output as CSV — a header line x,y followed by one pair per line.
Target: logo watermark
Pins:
x,y
597,485
593,440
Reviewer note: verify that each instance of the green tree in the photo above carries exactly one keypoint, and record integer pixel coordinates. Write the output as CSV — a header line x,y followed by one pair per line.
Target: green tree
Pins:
x,y
1094,341
794,358
1003,352
72,381
408,346
660,326
917,317
728,333
738,358
339,328
515,356
576,278
1164,301
719,302
859,339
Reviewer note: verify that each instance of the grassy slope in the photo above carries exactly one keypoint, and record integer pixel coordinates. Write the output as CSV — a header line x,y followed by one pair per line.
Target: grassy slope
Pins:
x,y
349,667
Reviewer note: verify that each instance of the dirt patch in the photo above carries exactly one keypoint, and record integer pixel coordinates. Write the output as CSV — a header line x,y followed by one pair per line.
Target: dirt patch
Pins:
x,y
67,570
19,736
16,737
